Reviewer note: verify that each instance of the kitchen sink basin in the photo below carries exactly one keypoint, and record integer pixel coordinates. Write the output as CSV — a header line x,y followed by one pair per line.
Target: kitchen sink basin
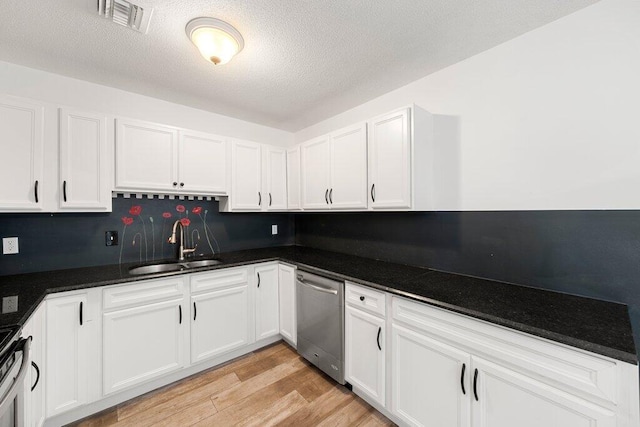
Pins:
x,y
176,266
202,263
156,268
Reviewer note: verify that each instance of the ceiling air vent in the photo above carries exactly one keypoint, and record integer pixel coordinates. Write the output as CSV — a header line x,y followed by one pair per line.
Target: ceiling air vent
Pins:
x,y
126,14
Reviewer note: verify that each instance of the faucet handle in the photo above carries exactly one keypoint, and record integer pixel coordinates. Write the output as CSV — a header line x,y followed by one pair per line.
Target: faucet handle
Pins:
x,y
190,250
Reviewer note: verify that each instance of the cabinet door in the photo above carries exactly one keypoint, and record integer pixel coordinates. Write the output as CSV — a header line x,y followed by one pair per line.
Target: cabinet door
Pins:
x,y
287,302
34,386
142,343
428,385
349,168
146,156
219,322
390,161
85,163
293,178
203,163
275,164
267,312
364,353
22,141
67,351
507,398
246,179
316,178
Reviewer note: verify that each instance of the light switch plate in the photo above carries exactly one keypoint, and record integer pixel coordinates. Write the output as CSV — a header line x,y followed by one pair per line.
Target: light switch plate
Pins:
x,y
274,229
9,245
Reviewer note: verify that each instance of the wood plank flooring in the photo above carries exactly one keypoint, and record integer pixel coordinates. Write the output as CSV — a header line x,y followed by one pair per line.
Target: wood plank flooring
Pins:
x,y
273,386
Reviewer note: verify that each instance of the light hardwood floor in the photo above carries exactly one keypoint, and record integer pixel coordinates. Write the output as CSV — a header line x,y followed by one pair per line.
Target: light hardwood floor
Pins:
x,y
269,387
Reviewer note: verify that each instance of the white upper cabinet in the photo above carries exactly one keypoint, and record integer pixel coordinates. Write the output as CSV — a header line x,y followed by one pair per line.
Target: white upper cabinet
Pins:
x,y
389,160
275,178
246,176
202,163
293,178
21,127
146,156
156,158
401,162
85,162
349,168
316,175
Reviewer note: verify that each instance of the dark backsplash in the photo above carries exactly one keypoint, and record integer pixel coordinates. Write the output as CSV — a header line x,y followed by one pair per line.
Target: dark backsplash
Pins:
x,y
589,253
59,241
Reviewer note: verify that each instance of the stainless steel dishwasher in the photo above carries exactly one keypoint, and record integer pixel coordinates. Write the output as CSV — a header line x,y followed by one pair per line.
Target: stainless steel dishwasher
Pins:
x,y
320,304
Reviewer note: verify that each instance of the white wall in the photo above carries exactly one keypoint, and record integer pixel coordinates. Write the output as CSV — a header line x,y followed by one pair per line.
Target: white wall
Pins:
x,y
549,120
56,89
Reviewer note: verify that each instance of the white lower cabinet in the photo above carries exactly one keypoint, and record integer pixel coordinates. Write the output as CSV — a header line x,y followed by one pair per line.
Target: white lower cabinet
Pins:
x,y
219,313
365,352
506,398
34,410
67,364
267,311
146,340
287,302
430,381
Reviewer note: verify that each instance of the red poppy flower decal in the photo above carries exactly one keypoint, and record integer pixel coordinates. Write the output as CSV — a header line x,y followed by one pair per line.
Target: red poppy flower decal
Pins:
x,y
135,210
180,208
166,215
127,220
196,210
185,221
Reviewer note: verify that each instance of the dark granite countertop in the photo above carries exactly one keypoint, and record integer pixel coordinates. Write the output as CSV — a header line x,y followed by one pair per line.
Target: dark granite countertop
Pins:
x,y
597,326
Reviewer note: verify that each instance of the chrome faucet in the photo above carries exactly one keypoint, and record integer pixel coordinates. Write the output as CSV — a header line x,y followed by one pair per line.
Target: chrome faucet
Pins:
x,y
173,241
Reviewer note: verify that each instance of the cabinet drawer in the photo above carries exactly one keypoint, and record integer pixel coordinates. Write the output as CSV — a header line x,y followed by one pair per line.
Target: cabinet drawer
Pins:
x,y
143,292
365,299
219,279
585,374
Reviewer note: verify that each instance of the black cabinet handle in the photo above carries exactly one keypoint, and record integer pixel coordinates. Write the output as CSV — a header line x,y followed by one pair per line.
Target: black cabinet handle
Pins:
x,y
64,190
259,199
464,368
373,194
378,338
182,184
37,375
81,321
326,196
475,384
36,191
258,279
331,196
195,311
270,199
361,297
175,183
180,314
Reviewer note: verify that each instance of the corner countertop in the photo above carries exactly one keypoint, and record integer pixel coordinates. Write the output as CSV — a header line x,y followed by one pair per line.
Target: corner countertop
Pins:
x,y
589,324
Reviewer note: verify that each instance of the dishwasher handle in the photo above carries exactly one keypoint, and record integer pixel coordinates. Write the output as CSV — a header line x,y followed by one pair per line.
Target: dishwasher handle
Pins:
x,y
318,288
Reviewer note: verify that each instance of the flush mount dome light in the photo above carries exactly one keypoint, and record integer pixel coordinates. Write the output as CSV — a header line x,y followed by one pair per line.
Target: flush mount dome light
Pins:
x,y
216,40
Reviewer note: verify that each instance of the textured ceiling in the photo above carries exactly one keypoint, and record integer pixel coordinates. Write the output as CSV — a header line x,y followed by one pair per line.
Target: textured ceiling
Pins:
x,y
303,61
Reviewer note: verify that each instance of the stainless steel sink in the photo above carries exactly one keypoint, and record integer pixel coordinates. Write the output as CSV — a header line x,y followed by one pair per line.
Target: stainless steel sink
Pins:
x,y
202,263
177,266
156,268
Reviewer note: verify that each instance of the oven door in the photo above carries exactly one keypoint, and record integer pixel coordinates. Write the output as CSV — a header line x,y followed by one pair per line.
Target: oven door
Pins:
x,y
13,369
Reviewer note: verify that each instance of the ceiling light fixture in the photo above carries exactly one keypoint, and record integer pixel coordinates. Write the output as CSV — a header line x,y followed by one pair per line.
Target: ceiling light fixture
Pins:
x,y
216,40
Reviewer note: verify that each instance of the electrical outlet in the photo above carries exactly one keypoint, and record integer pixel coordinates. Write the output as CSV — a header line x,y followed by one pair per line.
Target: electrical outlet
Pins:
x,y
9,245
111,238
10,304
274,229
